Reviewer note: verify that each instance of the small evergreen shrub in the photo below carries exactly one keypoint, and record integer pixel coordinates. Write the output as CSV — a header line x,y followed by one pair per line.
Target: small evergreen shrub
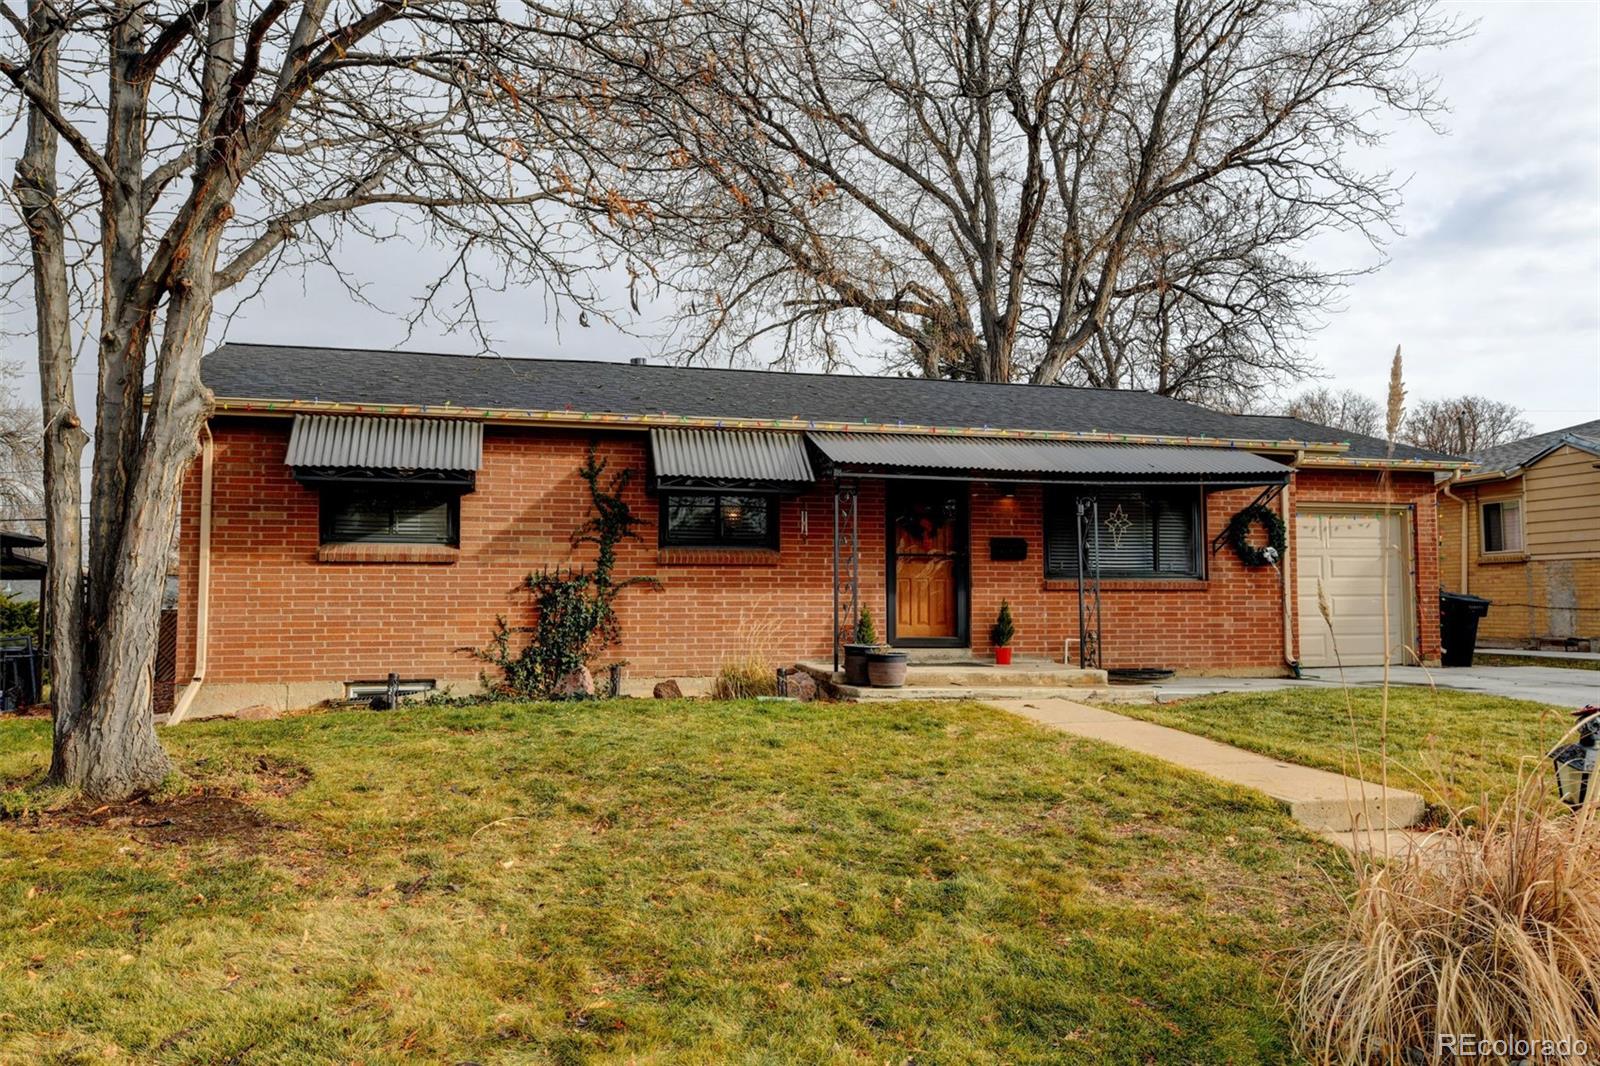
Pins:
x,y
1004,630
866,632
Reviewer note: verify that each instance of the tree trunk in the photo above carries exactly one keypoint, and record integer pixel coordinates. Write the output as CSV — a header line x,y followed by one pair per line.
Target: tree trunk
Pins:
x,y
64,438
125,320
127,756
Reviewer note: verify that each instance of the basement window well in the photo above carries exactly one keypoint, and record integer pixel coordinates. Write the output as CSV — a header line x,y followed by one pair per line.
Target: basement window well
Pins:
x,y
366,690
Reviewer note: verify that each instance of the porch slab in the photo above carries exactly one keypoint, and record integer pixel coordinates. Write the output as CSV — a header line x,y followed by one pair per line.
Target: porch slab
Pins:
x,y
1321,801
987,694
957,678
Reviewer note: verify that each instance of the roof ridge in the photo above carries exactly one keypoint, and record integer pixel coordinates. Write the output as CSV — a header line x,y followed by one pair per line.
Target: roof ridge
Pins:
x,y
705,369
276,377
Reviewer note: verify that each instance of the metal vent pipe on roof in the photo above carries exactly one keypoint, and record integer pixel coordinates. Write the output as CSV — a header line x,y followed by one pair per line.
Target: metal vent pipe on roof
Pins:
x,y
639,360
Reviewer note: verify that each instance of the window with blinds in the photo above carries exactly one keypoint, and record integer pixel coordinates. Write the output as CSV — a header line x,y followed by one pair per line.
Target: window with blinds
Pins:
x,y
718,520
1150,533
1502,526
390,514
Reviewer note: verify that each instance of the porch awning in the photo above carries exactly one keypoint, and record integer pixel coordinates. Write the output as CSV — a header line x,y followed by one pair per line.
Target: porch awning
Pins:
x,y
21,557
385,443
729,458
890,454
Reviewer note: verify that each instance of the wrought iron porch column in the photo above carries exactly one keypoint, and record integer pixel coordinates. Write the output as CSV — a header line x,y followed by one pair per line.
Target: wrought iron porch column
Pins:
x,y
1090,653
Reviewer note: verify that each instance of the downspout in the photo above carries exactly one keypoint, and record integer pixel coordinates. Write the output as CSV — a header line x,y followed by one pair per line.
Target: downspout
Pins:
x,y
1287,512
1462,504
202,604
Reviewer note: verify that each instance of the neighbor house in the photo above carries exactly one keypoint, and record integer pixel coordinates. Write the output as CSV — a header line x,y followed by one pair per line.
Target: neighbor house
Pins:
x,y
361,513
1522,528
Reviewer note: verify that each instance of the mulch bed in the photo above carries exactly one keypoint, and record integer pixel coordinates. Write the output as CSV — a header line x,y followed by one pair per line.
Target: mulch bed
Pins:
x,y
201,815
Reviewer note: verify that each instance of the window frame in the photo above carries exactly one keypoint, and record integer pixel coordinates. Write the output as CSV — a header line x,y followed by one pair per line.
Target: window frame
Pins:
x,y
1500,506
769,542
1058,507
328,492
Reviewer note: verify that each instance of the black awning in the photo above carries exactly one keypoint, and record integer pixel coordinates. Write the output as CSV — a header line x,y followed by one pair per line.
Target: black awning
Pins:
x,y
1009,458
729,458
326,449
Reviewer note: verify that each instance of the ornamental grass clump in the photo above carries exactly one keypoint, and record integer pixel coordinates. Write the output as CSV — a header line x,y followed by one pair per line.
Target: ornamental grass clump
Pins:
x,y
1492,934
749,670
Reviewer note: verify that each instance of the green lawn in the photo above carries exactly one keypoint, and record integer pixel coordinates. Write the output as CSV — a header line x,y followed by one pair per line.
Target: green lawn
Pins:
x,y
1453,747
651,882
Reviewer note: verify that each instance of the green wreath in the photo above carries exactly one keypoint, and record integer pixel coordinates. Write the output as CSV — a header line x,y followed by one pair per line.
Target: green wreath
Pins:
x,y
1239,534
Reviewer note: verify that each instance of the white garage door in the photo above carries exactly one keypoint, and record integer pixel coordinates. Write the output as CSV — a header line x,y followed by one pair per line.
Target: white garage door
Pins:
x,y
1345,552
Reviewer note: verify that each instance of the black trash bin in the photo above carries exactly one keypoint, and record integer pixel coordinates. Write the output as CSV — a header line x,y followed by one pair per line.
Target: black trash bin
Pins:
x,y
1458,626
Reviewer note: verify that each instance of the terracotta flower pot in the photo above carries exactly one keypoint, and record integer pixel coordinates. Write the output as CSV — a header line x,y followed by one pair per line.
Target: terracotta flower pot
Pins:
x,y
886,669
1002,656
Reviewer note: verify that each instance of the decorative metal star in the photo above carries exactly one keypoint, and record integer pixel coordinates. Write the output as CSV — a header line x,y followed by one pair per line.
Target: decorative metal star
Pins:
x,y
1117,524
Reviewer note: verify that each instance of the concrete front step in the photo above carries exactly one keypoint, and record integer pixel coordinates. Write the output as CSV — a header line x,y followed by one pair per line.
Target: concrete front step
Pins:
x,y
1321,801
1429,845
976,675
867,694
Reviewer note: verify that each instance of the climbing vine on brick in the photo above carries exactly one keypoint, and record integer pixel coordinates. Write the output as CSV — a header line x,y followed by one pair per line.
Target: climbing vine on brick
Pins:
x,y
574,607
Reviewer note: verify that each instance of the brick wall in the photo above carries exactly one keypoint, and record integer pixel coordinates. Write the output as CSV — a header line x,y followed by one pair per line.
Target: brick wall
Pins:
x,y
1232,620
280,614
1412,492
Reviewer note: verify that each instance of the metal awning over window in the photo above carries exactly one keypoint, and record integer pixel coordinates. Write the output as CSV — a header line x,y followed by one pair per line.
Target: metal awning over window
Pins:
x,y
1013,459
337,448
718,458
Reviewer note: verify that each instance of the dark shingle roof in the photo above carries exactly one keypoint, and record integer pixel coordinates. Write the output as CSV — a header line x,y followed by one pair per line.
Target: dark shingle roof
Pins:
x,y
1517,453
364,376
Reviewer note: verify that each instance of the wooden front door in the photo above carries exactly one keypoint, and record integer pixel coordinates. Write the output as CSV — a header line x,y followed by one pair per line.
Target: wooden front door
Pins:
x,y
928,563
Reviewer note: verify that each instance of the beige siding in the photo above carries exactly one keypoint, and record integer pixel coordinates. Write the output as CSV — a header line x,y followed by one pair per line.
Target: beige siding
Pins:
x,y
1563,506
1552,590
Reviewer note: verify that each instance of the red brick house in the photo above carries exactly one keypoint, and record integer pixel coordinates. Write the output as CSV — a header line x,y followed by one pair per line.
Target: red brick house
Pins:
x,y
357,513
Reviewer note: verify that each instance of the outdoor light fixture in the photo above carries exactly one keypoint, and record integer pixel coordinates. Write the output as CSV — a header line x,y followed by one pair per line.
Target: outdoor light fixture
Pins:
x,y
1575,763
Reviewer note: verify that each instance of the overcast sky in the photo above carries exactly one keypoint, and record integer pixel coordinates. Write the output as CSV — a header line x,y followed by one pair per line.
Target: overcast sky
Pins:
x,y
1493,288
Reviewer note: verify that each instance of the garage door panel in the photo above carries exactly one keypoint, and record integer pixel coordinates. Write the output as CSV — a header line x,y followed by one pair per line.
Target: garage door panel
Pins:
x,y
1351,568
1352,557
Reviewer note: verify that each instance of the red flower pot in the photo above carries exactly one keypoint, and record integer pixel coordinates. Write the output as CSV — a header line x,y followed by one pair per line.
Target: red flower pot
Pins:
x,y
1002,656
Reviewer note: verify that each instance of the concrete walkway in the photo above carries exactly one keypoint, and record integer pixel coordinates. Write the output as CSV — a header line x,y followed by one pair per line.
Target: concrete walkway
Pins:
x,y
1556,656
1544,684
1327,803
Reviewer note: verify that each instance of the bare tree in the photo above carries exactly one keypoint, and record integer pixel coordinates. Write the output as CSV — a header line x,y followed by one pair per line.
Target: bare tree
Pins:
x,y
21,458
1464,425
1344,409
1110,191
177,149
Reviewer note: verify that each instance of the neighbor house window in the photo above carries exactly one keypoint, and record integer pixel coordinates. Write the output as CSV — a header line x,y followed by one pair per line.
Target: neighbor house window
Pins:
x,y
718,520
390,514
1502,526
1145,533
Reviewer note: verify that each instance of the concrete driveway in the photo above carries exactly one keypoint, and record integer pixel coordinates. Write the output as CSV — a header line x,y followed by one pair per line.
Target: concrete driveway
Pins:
x,y
1545,684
